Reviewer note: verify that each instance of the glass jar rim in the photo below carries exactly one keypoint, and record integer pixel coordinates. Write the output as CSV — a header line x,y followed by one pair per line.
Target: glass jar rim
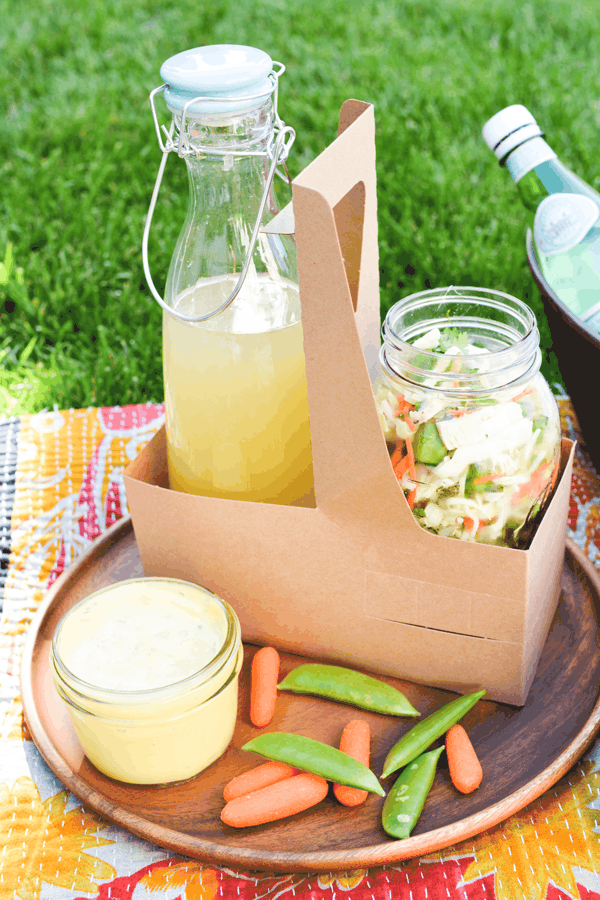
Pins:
x,y
391,337
522,353
164,692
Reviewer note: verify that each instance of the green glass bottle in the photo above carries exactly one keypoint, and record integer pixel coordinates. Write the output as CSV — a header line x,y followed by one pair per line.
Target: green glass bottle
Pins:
x,y
562,210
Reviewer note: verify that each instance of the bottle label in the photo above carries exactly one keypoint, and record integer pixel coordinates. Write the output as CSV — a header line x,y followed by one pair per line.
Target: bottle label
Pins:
x,y
529,155
562,221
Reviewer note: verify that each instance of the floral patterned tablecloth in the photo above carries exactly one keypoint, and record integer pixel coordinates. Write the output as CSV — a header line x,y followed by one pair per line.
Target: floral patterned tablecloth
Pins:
x,y
61,485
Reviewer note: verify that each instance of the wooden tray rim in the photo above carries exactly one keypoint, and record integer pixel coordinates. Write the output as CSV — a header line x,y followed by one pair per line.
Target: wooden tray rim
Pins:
x,y
315,861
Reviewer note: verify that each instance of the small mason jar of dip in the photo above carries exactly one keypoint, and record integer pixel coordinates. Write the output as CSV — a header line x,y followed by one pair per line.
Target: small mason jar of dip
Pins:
x,y
472,428
149,671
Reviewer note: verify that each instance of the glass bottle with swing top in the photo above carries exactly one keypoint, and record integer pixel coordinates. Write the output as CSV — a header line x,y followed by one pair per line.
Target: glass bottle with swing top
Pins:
x,y
562,210
235,386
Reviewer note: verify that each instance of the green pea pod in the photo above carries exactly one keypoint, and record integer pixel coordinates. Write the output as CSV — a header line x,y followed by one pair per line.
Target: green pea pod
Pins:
x,y
404,803
425,732
348,686
313,756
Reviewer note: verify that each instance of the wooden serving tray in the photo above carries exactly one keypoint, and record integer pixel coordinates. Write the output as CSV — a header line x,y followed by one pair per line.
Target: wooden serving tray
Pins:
x,y
523,751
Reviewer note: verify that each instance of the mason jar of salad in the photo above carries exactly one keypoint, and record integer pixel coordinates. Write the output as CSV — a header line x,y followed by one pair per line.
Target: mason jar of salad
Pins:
x,y
472,427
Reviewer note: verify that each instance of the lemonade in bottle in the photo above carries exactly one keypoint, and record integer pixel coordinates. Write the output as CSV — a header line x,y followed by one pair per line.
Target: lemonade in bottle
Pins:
x,y
235,386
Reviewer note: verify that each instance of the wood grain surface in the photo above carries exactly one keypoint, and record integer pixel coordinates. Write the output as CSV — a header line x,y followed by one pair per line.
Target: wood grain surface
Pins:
x,y
523,751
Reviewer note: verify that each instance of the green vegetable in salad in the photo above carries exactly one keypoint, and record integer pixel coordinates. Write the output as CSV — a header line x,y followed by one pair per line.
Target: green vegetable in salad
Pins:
x,y
428,446
540,423
479,480
450,338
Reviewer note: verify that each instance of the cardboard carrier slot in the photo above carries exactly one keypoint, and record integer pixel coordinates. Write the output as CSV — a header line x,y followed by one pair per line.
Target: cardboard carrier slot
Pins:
x,y
355,579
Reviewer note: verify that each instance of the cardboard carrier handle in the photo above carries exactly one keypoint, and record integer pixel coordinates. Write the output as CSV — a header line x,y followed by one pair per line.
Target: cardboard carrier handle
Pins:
x,y
335,210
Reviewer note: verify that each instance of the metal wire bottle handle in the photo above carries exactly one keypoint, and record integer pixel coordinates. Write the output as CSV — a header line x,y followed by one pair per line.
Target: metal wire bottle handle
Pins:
x,y
278,151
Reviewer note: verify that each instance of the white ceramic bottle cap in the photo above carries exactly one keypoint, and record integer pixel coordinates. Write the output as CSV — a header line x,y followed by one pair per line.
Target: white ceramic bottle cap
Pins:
x,y
220,71
508,128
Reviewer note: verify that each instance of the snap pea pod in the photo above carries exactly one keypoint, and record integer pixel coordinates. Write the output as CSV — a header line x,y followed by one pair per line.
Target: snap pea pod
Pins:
x,y
425,732
313,756
404,803
348,686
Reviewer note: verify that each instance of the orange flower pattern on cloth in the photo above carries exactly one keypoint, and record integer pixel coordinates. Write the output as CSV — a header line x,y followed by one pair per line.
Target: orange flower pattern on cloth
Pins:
x,y
343,881
544,841
69,489
40,842
539,846
199,882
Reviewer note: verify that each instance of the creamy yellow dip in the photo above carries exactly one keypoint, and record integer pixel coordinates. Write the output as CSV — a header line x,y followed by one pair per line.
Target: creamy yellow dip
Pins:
x,y
149,671
142,636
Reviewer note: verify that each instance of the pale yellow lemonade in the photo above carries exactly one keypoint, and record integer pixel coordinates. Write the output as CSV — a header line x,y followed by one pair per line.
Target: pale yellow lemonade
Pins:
x,y
235,394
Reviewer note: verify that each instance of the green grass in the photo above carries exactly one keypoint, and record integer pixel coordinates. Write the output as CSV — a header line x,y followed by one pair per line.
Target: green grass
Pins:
x,y
78,157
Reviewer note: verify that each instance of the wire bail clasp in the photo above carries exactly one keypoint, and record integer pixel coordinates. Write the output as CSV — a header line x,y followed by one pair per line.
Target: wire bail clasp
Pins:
x,y
277,151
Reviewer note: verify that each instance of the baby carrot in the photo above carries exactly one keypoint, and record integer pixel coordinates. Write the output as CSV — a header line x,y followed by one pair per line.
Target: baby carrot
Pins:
x,y
276,801
355,741
257,778
263,686
465,768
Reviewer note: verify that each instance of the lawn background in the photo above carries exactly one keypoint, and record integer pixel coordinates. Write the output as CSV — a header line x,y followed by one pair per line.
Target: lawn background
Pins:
x,y
78,157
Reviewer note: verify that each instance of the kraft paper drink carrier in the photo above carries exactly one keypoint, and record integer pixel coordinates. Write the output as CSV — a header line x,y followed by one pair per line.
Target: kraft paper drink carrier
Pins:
x,y
355,580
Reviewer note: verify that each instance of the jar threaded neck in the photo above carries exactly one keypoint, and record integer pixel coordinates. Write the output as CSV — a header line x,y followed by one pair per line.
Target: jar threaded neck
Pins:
x,y
501,325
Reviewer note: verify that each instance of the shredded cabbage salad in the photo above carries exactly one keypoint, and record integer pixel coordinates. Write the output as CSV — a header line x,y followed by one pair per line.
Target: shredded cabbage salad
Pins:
x,y
477,469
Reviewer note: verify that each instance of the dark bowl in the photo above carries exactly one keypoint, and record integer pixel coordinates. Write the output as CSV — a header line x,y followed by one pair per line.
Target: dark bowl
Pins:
x,y
578,353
